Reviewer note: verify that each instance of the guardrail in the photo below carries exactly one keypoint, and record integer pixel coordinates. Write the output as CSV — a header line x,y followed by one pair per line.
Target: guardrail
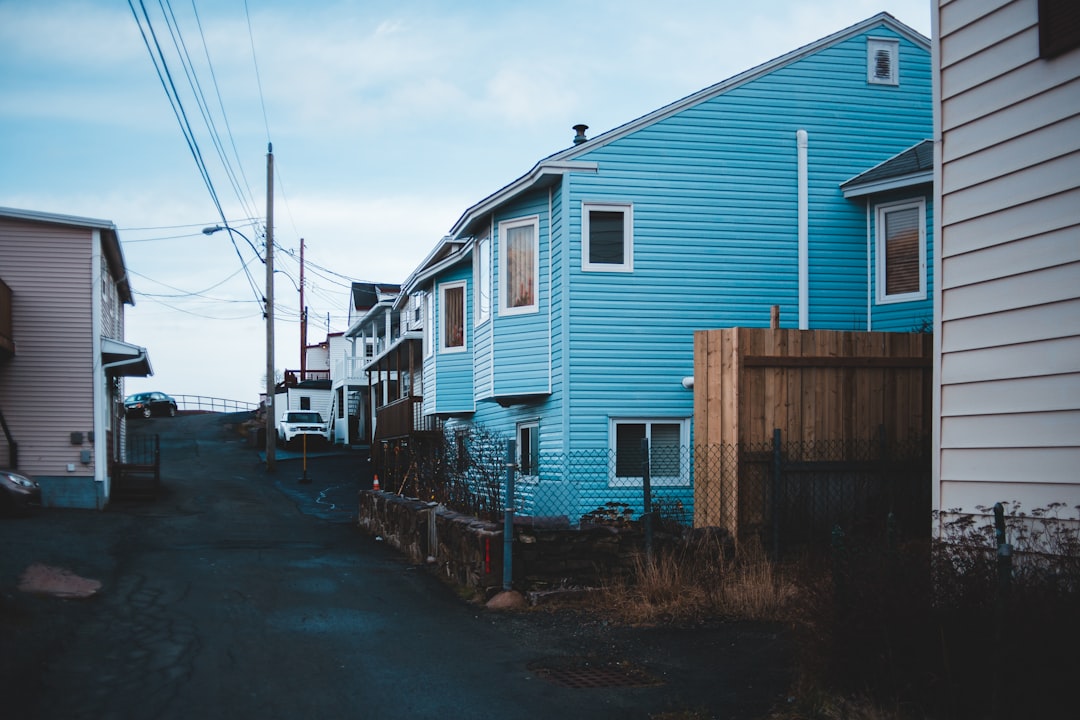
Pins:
x,y
200,403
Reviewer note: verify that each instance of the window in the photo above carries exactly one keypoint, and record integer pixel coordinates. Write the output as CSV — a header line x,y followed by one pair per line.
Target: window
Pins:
x,y
607,237
482,273
519,266
1059,27
668,464
528,449
882,61
461,449
305,403
452,325
901,251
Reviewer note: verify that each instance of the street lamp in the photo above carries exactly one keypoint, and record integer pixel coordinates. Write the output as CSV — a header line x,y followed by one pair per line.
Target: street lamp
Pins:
x,y
271,430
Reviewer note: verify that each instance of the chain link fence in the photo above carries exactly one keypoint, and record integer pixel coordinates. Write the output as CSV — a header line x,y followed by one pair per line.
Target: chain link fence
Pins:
x,y
785,494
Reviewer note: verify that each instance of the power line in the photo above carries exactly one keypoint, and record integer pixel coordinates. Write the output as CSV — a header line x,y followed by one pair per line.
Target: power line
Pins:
x,y
258,78
185,293
157,56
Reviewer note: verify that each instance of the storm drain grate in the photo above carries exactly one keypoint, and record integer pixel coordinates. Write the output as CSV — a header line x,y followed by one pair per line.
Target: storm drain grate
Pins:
x,y
578,672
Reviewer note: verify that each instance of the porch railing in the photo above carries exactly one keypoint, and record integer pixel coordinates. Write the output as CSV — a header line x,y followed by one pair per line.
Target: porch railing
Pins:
x,y
401,418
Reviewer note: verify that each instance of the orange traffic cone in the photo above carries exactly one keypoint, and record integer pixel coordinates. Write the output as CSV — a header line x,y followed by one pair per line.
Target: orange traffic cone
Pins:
x,y
375,485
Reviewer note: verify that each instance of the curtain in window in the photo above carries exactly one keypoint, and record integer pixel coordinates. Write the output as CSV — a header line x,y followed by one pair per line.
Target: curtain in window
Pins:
x,y
902,251
454,317
664,449
606,237
520,267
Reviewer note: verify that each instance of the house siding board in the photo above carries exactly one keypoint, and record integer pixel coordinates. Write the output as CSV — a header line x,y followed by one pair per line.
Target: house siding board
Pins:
x,y
713,190
454,371
521,343
1009,379
46,390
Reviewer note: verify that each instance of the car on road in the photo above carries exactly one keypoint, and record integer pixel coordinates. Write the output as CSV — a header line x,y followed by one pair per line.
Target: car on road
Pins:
x,y
18,493
147,404
302,423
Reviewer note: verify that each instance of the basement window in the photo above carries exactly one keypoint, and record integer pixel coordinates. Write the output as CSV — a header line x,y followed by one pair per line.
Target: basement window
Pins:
x,y
668,439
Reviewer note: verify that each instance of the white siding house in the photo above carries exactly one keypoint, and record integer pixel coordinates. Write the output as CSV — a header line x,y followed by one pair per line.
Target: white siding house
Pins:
x,y
1007,254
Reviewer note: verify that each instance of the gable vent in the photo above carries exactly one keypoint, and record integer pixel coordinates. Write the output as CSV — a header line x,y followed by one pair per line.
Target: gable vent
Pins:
x,y
881,60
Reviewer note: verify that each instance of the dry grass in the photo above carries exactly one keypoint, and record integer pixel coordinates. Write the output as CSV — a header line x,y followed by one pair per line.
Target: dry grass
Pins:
x,y
697,582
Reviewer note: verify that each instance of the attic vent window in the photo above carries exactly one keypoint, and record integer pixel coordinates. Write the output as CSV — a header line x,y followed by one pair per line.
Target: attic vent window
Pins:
x,y
882,58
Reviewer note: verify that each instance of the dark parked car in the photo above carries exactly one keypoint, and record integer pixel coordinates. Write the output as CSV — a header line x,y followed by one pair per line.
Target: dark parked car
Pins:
x,y
18,493
150,403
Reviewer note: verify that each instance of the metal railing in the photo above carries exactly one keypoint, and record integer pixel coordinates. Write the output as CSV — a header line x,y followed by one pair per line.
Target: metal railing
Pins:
x,y
201,403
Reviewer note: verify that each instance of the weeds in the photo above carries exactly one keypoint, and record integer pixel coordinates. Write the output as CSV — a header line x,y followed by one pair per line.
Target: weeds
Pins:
x,y
698,580
937,629
892,631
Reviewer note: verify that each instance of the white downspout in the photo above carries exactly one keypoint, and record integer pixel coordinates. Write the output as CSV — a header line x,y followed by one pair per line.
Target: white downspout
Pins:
x,y
869,272
101,393
802,141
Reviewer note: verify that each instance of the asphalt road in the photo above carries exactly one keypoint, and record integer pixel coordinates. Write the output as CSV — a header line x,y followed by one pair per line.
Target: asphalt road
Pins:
x,y
239,594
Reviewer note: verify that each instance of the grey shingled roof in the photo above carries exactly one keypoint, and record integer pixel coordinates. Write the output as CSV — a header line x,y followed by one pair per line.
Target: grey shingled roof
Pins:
x,y
912,166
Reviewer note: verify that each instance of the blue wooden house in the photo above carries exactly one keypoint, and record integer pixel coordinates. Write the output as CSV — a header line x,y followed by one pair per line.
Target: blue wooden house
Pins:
x,y
560,310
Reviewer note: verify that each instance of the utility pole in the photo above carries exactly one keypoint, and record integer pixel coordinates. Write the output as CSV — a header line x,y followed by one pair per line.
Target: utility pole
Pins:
x,y
303,319
271,411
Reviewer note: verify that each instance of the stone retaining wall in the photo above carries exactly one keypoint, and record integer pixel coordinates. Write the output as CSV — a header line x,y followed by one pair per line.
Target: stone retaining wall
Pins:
x,y
548,552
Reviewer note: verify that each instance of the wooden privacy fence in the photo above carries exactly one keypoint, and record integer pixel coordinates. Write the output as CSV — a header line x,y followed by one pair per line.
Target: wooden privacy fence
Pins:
x,y
814,386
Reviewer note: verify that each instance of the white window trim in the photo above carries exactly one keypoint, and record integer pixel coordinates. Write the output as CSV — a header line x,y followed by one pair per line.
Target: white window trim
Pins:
x,y
879,214
873,45
443,288
628,237
478,272
429,324
683,479
534,221
533,425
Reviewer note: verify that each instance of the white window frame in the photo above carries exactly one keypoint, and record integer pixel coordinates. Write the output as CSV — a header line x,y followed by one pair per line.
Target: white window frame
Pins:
x,y
880,211
482,273
873,47
504,226
627,210
443,304
429,325
534,427
680,480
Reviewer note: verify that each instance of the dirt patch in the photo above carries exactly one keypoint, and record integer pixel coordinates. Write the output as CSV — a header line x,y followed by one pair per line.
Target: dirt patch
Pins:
x,y
57,582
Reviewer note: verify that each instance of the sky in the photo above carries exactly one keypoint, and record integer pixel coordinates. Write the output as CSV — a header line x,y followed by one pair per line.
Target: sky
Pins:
x,y
388,119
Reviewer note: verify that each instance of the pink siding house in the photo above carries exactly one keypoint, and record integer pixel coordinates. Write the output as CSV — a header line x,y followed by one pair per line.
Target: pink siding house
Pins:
x,y
63,357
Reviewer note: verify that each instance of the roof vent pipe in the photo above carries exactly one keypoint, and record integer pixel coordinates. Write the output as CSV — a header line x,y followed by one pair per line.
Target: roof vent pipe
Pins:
x,y
580,137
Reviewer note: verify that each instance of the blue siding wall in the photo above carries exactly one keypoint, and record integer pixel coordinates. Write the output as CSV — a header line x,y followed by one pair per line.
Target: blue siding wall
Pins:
x,y
713,190
453,371
714,195
521,343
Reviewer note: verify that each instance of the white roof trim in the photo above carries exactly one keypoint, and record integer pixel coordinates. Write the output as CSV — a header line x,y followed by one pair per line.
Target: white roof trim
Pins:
x,y
422,276
134,360
57,219
893,183
545,168
745,77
